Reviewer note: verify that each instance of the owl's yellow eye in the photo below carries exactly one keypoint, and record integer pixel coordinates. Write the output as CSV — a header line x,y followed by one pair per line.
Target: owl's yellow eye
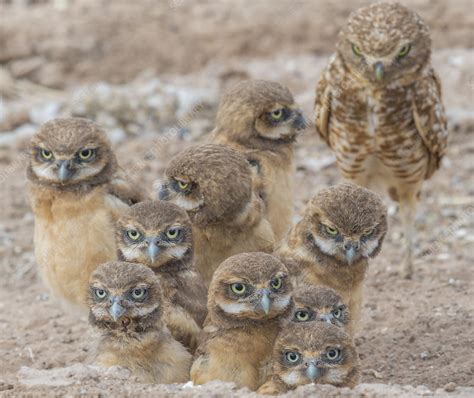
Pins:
x,y
330,230
404,50
100,293
133,234
139,293
172,233
86,154
356,49
276,283
183,185
302,316
337,313
292,357
238,288
333,354
45,154
277,114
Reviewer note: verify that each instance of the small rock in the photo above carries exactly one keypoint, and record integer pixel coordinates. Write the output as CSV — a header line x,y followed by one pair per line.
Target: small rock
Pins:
x,y
6,386
450,387
424,355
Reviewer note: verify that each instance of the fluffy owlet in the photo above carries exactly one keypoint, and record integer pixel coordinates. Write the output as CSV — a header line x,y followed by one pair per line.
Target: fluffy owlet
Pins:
x,y
249,294
313,352
319,303
126,309
159,234
261,120
214,184
342,227
378,106
76,192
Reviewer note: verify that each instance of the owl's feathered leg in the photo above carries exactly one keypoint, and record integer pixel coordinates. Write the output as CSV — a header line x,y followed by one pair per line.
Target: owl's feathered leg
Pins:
x,y
408,204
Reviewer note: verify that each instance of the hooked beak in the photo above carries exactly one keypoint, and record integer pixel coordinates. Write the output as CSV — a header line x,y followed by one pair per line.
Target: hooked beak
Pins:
x,y
350,253
116,310
265,301
313,372
326,318
153,251
163,193
379,71
300,123
64,171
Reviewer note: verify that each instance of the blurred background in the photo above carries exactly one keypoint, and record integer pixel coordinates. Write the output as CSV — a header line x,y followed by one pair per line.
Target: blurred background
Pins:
x,y
151,73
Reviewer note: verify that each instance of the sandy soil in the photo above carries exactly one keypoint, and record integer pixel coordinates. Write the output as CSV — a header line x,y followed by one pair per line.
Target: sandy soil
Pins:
x,y
413,333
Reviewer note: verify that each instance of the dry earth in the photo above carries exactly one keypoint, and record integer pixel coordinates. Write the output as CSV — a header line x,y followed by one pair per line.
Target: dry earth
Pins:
x,y
413,333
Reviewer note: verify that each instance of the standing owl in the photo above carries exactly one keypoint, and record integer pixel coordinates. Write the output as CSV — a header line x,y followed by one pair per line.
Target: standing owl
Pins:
x,y
378,106
77,191
261,120
214,184
158,234
312,353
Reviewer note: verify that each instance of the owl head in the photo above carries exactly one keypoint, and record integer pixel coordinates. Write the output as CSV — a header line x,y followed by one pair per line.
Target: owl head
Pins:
x,y
384,43
250,287
71,152
319,303
124,295
155,233
345,222
213,183
259,113
315,352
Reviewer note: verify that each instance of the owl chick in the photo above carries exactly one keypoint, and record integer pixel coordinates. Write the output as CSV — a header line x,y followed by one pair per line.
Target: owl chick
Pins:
x,y
126,309
249,294
342,227
319,303
214,184
313,352
159,235
261,120
378,106
76,191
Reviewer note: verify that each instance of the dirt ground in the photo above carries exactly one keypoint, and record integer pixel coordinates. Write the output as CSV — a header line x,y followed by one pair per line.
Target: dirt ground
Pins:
x,y
416,337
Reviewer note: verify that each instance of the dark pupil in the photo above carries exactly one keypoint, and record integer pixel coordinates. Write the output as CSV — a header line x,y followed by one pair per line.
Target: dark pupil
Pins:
x,y
172,232
239,287
292,356
332,354
138,292
86,153
302,315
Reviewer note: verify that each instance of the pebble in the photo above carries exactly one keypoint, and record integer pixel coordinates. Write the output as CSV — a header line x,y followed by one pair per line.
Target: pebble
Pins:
x,y
424,355
450,387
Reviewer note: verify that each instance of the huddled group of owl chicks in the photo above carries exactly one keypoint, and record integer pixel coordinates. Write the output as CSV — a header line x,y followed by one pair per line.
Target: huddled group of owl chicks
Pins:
x,y
210,281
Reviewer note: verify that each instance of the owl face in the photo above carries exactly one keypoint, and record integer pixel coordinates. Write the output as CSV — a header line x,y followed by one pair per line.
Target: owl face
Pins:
x,y
121,292
154,233
318,303
253,286
279,122
346,222
385,42
315,353
211,182
69,151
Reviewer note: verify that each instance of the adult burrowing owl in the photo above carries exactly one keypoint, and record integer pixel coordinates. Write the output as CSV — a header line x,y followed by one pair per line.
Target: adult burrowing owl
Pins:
x,y
159,234
378,106
319,303
312,353
249,294
342,227
214,184
76,192
126,308
261,120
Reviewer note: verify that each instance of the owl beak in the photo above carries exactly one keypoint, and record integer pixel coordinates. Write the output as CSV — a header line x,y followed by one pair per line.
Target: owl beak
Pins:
x,y
326,318
116,310
265,301
312,371
65,172
379,71
153,250
300,123
351,248
163,193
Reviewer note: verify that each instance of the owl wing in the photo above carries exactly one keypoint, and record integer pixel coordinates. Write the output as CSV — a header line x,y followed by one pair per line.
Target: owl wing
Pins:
x,y
430,119
322,106
123,189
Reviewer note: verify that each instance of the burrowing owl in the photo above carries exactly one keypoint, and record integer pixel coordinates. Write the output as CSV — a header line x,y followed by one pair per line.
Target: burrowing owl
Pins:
x,y
261,120
76,191
126,309
342,227
378,106
248,296
159,234
214,184
312,353
319,303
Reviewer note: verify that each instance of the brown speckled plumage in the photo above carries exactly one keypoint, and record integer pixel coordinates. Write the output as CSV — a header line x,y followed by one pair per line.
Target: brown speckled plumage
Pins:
x,y
390,131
